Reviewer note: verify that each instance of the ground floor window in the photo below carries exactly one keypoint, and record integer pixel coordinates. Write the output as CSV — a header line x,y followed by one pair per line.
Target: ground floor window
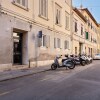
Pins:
x,y
58,43
66,44
45,41
75,50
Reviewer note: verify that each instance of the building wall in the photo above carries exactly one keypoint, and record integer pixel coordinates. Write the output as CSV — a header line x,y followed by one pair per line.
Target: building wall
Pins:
x,y
77,37
13,9
92,34
14,18
98,40
8,25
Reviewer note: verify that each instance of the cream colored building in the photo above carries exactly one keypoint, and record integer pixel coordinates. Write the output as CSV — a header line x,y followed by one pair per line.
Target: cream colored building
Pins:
x,y
91,28
79,22
20,23
98,39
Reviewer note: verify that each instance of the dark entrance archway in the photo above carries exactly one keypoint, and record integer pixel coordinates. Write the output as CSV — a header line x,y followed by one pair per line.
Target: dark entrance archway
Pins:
x,y
17,48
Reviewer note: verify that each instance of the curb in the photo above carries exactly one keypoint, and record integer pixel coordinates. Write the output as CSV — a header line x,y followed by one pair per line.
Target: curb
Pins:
x,y
27,74
20,76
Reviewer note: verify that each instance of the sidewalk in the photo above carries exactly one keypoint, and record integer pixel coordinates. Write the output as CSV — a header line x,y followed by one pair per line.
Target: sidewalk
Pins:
x,y
11,74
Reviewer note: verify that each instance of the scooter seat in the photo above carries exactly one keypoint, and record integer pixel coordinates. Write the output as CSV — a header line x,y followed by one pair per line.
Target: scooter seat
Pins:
x,y
64,60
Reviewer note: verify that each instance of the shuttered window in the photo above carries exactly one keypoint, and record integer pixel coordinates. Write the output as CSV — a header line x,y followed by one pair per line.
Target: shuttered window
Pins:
x,y
67,21
75,26
18,1
81,29
66,44
75,50
54,42
43,8
23,3
58,15
46,41
87,35
58,43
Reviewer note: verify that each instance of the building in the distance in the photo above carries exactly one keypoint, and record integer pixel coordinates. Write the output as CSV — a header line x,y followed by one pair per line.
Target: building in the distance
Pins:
x,y
79,22
98,39
91,28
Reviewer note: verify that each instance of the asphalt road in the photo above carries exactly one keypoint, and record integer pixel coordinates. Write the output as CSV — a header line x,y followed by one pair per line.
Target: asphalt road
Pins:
x,y
82,83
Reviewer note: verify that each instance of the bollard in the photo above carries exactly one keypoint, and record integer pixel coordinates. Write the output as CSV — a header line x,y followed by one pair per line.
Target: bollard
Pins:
x,y
29,63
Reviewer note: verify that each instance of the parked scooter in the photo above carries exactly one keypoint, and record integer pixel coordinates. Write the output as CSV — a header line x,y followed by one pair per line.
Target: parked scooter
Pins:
x,y
67,62
79,60
88,59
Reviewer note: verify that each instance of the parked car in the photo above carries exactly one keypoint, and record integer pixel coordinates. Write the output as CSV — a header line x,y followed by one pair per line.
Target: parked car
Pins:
x,y
97,57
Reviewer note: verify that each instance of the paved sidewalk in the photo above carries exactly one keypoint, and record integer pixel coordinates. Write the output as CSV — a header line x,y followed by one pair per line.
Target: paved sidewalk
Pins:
x,y
11,74
25,71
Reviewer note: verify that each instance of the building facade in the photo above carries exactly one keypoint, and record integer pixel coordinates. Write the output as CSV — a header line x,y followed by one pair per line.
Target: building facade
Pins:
x,y
21,21
84,32
79,22
91,28
33,32
98,39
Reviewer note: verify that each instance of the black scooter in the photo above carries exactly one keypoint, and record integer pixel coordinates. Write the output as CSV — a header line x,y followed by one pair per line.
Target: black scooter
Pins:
x,y
68,63
79,60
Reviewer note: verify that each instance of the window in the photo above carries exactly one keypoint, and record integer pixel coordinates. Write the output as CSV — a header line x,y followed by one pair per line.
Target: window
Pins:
x,y
81,29
91,26
54,42
88,22
94,40
91,38
89,50
22,3
85,50
67,21
75,50
58,14
44,41
68,2
87,35
66,44
76,26
43,8
86,18
58,43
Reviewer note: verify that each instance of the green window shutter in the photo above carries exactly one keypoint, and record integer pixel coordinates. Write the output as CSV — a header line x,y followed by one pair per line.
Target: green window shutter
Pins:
x,y
87,35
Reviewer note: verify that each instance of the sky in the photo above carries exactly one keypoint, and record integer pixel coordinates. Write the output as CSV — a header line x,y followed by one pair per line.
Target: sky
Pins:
x,y
92,5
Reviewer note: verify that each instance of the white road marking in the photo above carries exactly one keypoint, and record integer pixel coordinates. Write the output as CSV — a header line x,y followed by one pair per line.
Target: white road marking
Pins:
x,y
8,92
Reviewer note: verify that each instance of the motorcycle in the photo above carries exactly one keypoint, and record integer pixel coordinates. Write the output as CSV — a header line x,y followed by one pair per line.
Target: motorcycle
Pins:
x,y
88,59
79,60
67,63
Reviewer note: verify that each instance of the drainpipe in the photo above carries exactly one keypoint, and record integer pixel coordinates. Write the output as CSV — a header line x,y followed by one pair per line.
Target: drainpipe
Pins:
x,y
53,12
71,27
0,6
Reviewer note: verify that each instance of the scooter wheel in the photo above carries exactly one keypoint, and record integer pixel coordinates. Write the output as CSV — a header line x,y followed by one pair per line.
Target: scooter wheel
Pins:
x,y
72,65
53,66
83,63
87,62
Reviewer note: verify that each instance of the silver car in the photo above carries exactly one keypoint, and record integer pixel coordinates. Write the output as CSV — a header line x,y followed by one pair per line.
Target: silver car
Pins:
x,y
97,57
